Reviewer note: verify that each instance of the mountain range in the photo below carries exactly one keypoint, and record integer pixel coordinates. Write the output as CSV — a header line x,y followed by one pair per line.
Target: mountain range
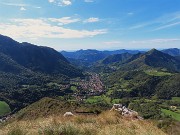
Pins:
x,y
92,56
89,57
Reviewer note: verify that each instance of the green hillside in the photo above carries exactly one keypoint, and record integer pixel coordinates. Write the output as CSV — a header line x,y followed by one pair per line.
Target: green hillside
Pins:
x,y
4,108
153,59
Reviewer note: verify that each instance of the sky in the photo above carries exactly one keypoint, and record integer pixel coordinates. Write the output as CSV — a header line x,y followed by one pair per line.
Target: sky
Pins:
x,y
93,24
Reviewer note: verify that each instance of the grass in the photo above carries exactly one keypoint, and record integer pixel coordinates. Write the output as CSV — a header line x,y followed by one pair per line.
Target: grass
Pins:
x,y
109,92
16,131
174,115
157,73
74,88
107,123
176,99
4,108
98,99
116,101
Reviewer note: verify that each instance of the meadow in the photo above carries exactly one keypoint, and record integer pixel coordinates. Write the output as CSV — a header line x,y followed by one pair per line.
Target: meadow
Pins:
x,y
4,108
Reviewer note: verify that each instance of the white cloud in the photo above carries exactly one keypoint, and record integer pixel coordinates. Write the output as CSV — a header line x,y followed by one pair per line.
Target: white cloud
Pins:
x,y
22,9
14,4
61,2
51,1
64,20
22,6
88,0
130,13
39,28
167,26
66,2
139,26
37,7
163,22
92,20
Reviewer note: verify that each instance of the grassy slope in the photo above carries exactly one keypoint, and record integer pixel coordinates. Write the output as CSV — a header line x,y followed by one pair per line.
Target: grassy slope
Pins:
x,y
48,106
176,99
43,108
4,108
96,99
174,115
108,123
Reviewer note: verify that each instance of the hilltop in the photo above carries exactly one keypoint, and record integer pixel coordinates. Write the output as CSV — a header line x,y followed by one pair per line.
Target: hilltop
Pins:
x,y
104,124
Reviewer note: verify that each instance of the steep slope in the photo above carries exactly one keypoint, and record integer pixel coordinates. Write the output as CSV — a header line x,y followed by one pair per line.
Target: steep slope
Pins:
x,y
10,66
172,51
154,59
35,58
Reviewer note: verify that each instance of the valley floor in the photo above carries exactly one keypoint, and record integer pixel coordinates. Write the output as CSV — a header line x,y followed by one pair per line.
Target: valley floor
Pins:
x,y
107,123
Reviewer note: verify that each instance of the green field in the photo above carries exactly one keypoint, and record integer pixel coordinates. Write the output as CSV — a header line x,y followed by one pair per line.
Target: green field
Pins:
x,y
157,73
176,99
98,99
174,115
4,108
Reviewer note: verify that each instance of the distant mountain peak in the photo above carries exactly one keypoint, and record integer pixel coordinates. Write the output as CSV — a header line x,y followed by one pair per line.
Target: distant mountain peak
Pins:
x,y
5,40
153,51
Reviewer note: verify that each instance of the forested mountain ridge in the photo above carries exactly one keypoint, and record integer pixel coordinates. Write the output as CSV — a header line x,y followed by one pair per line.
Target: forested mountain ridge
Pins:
x,y
38,59
172,51
116,58
153,59
28,72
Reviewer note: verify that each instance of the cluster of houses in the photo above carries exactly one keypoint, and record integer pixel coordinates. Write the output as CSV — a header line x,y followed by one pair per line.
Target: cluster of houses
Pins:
x,y
90,86
94,84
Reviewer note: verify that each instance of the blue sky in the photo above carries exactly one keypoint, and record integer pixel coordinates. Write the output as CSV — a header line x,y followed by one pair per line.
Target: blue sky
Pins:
x,y
93,24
